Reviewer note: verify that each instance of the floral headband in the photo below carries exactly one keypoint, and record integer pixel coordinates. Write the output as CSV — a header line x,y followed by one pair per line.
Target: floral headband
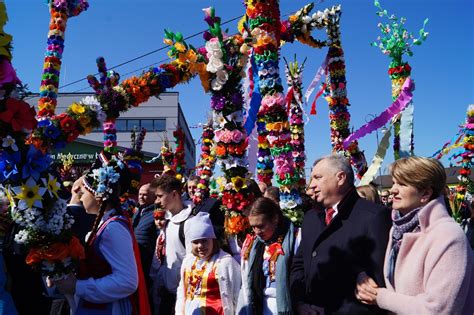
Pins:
x,y
107,177
159,214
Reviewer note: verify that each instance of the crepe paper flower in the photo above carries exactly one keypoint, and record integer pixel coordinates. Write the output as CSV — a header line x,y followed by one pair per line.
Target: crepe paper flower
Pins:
x,y
19,115
77,108
56,252
9,142
52,185
8,165
29,194
67,123
239,183
52,132
36,163
236,224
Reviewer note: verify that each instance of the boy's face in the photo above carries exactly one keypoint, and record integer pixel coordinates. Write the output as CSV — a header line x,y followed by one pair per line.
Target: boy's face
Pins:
x,y
165,200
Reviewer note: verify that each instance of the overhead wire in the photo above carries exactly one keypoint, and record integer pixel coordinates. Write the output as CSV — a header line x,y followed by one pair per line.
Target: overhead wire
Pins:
x,y
143,56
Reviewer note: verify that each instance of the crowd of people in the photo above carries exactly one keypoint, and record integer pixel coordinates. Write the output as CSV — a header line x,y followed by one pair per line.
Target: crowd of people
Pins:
x,y
357,252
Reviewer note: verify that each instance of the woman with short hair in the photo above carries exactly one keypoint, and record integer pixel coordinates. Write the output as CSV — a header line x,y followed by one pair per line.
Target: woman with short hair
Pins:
x,y
428,264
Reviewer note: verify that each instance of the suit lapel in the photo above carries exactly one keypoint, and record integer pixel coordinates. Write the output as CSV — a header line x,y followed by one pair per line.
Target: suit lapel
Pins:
x,y
344,210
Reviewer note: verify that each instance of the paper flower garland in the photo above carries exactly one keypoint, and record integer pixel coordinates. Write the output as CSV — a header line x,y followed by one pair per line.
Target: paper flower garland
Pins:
x,y
395,42
167,157
264,23
105,93
25,173
336,95
460,204
57,131
206,164
179,164
264,157
60,11
133,158
299,27
226,60
173,162
294,78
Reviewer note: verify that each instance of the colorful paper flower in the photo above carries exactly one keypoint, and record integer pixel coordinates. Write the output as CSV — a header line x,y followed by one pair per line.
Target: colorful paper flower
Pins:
x,y
19,115
29,194
36,163
52,185
9,142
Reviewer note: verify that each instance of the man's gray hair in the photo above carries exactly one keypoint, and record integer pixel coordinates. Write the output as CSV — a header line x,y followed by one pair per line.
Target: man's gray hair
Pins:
x,y
340,163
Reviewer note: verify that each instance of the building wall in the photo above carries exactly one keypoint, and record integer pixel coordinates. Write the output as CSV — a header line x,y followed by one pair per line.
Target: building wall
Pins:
x,y
167,107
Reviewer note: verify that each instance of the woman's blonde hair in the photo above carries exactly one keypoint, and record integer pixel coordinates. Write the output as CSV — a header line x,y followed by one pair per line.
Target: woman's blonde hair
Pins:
x,y
421,173
368,192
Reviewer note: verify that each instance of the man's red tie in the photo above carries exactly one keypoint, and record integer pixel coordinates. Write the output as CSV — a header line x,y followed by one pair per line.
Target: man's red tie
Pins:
x,y
329,214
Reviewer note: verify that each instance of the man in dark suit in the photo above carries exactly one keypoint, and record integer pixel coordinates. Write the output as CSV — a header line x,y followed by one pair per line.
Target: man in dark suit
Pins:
x,y
144,227
345,236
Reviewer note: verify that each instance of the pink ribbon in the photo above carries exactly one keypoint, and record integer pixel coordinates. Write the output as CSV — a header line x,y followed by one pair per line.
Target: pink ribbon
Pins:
x,y
397,107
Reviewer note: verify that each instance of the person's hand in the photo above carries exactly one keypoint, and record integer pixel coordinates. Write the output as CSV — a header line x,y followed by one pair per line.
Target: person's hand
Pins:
x,y
366,289
307,309
64,286
76,192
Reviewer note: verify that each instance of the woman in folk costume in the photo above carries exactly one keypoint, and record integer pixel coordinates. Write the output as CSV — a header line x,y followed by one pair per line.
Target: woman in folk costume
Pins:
x,y
266,257
210,278
110,279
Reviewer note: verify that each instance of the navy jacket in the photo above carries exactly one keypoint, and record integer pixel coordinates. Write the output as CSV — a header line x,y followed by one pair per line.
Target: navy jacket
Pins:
x,y
146,234
329,258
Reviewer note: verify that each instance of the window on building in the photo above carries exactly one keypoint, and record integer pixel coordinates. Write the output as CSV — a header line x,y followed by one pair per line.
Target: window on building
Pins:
x,y
127,125
133,123
159,124
147,124
121,125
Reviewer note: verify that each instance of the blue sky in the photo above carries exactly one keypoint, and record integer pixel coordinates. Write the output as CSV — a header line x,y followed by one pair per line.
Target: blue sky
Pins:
x,y
119,30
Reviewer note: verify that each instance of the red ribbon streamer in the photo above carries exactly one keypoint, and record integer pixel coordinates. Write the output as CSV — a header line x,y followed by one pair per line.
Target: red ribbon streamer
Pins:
x,y
313,106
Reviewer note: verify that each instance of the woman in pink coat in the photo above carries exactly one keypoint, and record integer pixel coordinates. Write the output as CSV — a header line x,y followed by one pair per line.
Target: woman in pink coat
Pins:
x,y
428,264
